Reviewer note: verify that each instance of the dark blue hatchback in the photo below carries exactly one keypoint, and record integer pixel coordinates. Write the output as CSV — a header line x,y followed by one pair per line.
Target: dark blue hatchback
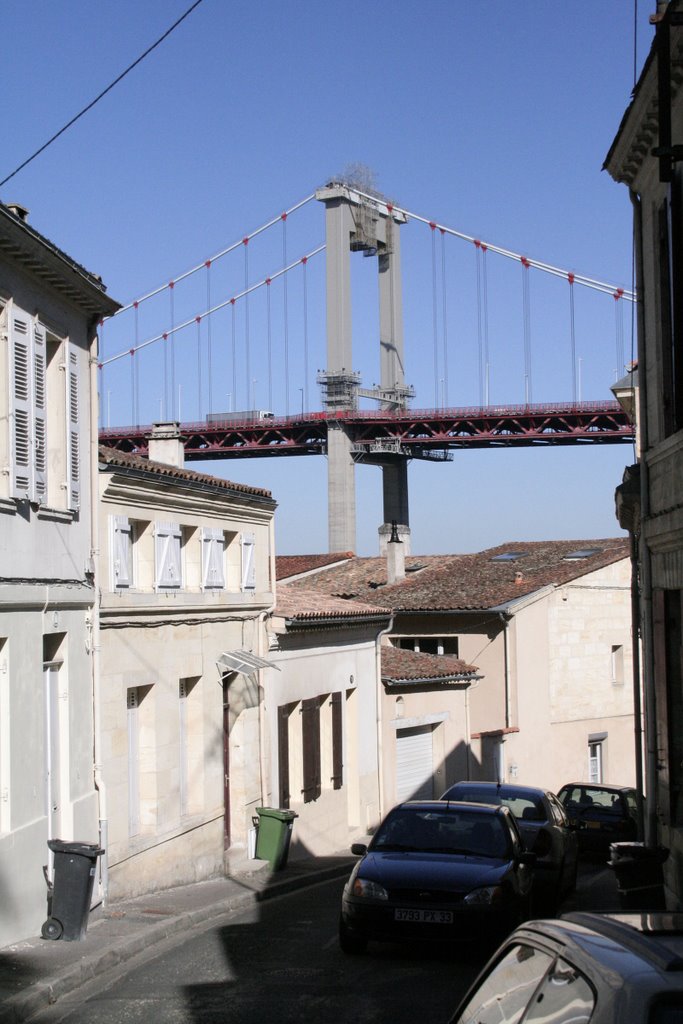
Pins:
x,y
438,872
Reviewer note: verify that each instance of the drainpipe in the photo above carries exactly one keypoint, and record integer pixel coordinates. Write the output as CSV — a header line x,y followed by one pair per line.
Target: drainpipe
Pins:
x,y
262,617
649,698
505,619
379,717
468,735
99,782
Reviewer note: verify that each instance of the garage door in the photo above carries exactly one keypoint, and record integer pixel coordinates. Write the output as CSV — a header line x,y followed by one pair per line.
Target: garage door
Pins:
x,y
414,764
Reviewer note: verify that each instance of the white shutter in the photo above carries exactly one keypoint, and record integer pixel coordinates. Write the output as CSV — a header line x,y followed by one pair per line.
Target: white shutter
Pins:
x,y
167,544
73,429
248,562
21,461
213,573
121,562
39,414
414,764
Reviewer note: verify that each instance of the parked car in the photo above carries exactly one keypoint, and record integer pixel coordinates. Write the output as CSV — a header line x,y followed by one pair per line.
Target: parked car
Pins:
x,y
605,969
545,829
601,814
437,871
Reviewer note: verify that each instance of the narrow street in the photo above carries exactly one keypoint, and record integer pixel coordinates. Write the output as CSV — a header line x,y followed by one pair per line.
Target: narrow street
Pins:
x,y
281,959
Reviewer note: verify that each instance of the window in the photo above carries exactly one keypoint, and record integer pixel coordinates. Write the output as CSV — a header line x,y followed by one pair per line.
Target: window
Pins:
x,y
213,559
595,761
248,563
430,644
44,414
4,737
168,570
310,732
121,552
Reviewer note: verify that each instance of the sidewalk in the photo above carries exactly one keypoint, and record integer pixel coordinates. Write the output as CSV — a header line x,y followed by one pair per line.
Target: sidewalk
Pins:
x,y
36,973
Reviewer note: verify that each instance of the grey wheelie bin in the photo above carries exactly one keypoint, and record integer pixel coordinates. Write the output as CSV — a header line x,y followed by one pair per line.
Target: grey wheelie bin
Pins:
x,y
75,865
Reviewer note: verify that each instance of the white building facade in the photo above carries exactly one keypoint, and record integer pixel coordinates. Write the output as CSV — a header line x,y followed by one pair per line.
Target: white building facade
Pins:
x,y
49,311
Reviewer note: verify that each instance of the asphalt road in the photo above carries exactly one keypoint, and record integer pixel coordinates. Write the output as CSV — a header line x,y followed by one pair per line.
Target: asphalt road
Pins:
x,y
279,961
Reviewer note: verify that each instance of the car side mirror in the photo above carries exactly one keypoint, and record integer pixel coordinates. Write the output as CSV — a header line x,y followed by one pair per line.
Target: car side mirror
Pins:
x,y
359,849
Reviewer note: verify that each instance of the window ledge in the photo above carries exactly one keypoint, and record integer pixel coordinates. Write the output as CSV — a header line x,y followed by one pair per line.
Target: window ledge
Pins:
x,y
59,515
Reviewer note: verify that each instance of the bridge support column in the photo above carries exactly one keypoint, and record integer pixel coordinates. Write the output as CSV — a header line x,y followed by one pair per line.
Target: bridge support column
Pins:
x,y
341,491
395,491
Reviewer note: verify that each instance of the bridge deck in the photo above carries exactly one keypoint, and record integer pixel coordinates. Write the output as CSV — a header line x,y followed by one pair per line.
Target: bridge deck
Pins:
x,y
407,432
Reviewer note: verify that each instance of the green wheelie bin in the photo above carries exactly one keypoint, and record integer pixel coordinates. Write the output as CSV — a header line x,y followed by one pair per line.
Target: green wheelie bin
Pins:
x,y
274,834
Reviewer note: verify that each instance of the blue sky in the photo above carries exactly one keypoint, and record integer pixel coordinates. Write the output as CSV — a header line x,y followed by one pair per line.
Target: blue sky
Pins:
x,y
491,118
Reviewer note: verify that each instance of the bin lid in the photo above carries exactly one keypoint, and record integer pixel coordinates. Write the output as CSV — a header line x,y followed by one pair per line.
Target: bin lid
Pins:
x,y
83,849
276,812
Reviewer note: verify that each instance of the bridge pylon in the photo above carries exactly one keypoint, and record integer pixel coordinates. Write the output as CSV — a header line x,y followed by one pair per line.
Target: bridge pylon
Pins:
x,y
357,222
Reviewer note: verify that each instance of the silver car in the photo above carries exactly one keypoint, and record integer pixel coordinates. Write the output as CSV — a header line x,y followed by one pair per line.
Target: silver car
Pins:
x,y
602,968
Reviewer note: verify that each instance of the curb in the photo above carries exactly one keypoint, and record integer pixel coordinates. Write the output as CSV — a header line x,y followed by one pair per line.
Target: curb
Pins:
x,y
43,994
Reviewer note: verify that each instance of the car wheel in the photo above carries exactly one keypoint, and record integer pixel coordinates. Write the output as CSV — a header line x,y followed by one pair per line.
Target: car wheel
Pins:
x,y
350,943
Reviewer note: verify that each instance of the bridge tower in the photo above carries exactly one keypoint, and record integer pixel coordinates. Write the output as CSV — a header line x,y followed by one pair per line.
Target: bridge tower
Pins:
x,y
356,222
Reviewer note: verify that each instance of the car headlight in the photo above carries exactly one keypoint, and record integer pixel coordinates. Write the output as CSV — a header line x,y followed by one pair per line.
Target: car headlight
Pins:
x,y
369,890
485,897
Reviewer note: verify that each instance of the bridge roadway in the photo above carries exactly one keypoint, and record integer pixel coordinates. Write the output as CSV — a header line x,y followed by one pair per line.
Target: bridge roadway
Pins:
x,y
416,433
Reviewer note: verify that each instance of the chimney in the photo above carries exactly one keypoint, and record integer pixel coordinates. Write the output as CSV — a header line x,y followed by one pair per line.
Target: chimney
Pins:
x,y
19,211
396,559
166,445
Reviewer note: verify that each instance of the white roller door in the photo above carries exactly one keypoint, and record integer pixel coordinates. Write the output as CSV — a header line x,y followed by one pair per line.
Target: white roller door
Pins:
x,y
414,764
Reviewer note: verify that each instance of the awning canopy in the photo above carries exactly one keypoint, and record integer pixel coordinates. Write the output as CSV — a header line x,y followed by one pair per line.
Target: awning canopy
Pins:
x,y
242,662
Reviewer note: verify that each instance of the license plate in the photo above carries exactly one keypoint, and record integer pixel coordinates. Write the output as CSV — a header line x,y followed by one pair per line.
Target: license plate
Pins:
x,y
424,916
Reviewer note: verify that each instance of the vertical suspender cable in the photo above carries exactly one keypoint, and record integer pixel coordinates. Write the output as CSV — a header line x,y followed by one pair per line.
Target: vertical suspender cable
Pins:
x,y
247,364
485,304
527,329
477,252
100,372
171,290
132,386
304,263
198,321
435,318
136,382
572,334
270,346
208,334
234,358
619,331
285,312
444,318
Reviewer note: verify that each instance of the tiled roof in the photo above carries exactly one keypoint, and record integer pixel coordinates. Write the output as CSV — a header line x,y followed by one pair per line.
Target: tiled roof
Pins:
x,y
401,666
307,605
125,460
287,566
463,582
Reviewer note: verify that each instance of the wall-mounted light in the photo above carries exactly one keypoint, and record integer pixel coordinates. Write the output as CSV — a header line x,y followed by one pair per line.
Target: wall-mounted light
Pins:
x,y
399,707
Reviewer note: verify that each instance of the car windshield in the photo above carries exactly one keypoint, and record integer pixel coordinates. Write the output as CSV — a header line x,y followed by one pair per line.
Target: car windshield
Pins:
x,y
580,799
524,806
448,831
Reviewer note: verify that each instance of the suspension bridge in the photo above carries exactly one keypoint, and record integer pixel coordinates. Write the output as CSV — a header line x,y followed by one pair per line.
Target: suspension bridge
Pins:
x,y
200,339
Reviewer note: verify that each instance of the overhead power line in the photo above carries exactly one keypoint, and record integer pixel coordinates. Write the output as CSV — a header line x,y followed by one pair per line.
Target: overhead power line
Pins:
x,y
102,94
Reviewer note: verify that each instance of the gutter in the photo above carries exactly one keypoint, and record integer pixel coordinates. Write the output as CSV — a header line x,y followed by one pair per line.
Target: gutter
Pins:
x,y
378,713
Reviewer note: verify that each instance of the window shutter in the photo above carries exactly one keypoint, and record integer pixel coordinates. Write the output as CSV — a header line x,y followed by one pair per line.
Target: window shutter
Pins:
x,y
248,562
20,405
310,728
73,429
283,714
121,575
39,414
167,544
337,745
213,572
